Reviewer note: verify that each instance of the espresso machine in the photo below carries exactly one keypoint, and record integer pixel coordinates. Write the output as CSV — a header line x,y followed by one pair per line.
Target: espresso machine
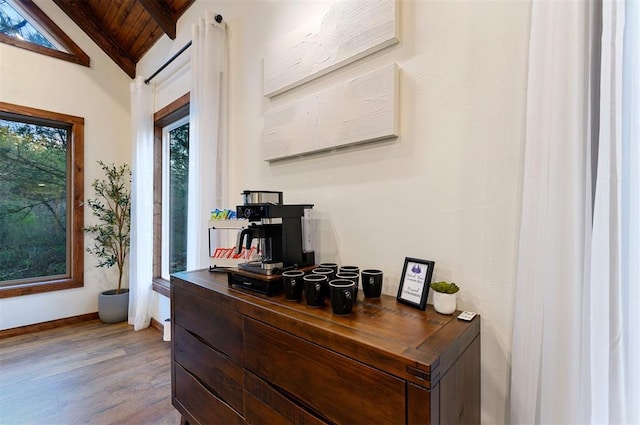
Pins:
x,y
281,235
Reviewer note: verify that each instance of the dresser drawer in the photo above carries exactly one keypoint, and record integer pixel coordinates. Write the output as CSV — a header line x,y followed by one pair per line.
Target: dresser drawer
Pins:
x,y
201,404
217,325
345,391
217,372
265,405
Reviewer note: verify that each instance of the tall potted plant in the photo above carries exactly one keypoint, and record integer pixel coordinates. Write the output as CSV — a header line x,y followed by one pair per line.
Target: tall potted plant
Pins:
x,y
111,235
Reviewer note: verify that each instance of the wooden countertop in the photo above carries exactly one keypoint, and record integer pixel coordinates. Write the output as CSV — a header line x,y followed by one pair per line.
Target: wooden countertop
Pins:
x,y
416,345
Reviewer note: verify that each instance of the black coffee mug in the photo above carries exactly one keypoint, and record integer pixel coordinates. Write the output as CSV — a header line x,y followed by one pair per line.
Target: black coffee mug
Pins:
x,y
349,269
325,271
328,273
372,283
342,294
332,266
293,284
354,277
314,289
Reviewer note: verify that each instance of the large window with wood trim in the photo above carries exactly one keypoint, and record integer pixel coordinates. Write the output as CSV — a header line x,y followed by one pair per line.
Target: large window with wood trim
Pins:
x,y
41,191
171,183
175,174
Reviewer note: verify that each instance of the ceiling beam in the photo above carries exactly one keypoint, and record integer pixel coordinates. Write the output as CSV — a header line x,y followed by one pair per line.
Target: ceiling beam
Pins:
x,y
162,14
79,13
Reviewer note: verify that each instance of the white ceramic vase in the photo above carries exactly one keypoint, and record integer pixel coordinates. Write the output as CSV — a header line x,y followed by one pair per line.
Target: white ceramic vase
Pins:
x,y
444,303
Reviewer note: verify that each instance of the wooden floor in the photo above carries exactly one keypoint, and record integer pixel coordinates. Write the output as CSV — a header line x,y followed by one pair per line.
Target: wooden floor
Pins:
x,y
86,373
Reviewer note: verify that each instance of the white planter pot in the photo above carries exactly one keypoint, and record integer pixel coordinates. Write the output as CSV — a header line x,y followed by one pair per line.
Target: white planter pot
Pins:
x,y
444,303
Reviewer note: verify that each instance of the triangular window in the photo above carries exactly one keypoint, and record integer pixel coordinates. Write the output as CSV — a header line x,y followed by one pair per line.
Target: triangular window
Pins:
x,y
14,24
23,24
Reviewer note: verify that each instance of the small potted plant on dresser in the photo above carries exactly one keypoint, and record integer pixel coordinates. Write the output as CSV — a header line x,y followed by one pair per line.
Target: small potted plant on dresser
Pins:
x,y
444,296
111,235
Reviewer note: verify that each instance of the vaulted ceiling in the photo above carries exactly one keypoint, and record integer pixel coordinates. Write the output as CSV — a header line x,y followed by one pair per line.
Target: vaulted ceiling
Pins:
x,y
125,29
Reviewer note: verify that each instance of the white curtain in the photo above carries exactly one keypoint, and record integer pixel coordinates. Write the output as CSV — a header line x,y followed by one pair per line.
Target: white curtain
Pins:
x,y
207,135
630,255
575,338
141,264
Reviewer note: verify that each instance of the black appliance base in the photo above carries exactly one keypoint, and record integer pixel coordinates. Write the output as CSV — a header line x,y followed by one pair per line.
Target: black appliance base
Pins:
x,y
269,287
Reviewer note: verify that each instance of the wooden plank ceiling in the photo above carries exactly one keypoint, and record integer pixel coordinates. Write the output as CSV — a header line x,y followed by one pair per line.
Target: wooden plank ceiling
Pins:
x,y
125,29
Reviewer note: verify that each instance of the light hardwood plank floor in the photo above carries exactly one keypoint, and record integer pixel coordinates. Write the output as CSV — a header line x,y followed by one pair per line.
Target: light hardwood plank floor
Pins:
x,y
88,373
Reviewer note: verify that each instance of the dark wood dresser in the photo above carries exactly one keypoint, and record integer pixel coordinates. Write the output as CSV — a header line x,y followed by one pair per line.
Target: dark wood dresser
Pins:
x,y
244,358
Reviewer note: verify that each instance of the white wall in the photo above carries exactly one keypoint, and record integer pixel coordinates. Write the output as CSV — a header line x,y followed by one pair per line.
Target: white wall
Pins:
x,y
448,189
99,94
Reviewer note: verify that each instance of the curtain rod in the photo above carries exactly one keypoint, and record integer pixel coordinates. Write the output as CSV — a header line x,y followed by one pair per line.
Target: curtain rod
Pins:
x,y
218,19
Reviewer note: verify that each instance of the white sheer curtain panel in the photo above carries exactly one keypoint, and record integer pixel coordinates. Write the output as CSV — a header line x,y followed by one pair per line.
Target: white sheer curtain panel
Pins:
x,y
207,135
141,264
575,338
630,276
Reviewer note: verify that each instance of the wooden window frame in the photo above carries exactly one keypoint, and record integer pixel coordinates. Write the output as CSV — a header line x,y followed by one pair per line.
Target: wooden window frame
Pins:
x,y
176,110
75,55
75,166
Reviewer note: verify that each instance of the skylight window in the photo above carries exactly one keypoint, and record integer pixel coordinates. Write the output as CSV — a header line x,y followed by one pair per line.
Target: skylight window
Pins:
x,y
14,24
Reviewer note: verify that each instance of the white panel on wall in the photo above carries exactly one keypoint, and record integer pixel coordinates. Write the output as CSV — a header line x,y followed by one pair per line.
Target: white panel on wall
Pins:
x,y
350,30
363,109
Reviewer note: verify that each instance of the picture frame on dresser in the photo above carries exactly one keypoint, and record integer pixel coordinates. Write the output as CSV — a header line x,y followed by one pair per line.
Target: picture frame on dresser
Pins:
x,y
414,283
